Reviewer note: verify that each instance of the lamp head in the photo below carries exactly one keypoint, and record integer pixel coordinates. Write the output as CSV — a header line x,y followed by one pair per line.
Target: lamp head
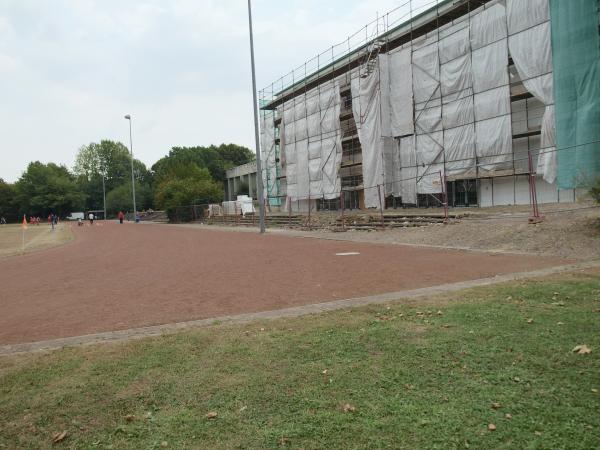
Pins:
x,y
128,117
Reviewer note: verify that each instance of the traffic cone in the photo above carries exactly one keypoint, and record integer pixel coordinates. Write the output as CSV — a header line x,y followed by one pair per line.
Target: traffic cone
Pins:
x,y
24,224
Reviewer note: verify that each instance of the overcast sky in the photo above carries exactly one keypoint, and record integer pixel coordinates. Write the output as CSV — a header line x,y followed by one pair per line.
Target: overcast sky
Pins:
x,y
71,69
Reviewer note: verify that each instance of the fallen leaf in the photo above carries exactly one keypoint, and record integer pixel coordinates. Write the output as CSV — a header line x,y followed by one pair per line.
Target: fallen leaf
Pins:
x,y
164,444
439,313
211,415
508,416
529,320
491,427
324,372
560,323
496,405
59,437
349,408
537,433
130,417
242,409
582,349
595,391
262,329
148,415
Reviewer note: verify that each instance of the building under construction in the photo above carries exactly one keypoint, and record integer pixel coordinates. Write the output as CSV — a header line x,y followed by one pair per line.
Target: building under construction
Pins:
x,y
465,102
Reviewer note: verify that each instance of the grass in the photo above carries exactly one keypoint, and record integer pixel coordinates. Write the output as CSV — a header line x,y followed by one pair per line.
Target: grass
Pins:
x,y
412,378
37,237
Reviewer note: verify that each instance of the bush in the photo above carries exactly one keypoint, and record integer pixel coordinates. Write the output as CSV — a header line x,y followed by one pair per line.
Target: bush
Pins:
x,y
196,187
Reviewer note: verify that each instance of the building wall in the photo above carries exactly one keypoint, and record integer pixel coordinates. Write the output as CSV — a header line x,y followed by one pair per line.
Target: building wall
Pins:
x,y
237,176
507,183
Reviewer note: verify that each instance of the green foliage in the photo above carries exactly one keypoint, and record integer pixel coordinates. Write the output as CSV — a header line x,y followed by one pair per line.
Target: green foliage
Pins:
x,y
111,160
216,159
121,198
186,185
8,194
45,188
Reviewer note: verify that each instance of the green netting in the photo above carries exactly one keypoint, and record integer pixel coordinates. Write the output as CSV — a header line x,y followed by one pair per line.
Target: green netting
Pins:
x,y
576,55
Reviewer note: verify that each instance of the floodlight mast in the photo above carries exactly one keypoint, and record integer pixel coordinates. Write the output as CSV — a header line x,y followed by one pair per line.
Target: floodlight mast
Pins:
x,y
259,179
128,117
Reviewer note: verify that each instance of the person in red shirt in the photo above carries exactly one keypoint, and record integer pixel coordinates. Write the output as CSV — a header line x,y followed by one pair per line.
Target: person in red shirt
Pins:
x,y
121,216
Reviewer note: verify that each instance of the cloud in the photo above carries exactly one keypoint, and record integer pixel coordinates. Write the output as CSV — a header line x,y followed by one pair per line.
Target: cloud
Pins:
x,y
72,68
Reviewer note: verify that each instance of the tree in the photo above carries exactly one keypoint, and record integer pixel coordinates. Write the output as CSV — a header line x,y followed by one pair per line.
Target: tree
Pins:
x,y
186,185
112,161
121,198
216,159
8,206
45,188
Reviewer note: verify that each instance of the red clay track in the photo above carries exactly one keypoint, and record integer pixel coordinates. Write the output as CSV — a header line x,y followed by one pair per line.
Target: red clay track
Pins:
x,y
116,277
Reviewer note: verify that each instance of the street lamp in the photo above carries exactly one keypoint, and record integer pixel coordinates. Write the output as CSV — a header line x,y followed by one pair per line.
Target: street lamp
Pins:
x,y
128,117
104,194
259,179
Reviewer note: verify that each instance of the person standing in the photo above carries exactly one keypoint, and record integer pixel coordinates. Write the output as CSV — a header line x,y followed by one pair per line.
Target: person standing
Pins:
x,y
121,216
91,217
52,219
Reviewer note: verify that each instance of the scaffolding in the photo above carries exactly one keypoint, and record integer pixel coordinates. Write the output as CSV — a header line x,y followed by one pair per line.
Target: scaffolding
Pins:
x,y
435,103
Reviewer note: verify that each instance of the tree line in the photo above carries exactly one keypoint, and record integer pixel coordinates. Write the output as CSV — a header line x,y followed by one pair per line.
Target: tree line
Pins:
x,y
186,176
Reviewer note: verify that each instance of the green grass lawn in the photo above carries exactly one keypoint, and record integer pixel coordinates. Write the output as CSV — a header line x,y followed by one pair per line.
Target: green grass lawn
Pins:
x,y
36,237
401,375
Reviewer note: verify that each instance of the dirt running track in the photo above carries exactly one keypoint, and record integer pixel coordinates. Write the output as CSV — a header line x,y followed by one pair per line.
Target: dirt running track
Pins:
x,y
114,277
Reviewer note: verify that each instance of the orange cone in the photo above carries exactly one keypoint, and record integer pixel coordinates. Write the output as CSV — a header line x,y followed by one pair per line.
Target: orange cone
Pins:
x,y
24,224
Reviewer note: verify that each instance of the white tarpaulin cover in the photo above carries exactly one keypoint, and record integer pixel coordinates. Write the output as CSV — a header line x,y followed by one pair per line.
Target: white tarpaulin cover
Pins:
x,y
459,145
493,132
408,161
488,25
494,142
529,44
268,156
312,144
401,93
366,109
429,162
445,98
426,71
523,14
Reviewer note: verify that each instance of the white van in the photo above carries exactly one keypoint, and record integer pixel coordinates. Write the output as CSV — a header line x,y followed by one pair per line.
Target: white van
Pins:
x,y
76,216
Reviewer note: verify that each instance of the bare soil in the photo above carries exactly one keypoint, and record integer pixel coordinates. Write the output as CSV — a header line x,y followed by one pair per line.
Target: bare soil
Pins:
x,y
567,231
116,277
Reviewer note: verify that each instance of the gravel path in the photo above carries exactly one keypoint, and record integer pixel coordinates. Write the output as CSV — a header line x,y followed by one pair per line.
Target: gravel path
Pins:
x,y
117,277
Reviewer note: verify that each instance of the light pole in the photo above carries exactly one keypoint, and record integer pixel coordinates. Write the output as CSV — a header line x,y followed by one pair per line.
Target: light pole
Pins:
x,y
104,196
128,117
259,179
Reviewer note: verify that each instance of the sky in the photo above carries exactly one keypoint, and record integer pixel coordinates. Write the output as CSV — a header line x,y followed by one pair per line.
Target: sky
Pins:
x,y
71,69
